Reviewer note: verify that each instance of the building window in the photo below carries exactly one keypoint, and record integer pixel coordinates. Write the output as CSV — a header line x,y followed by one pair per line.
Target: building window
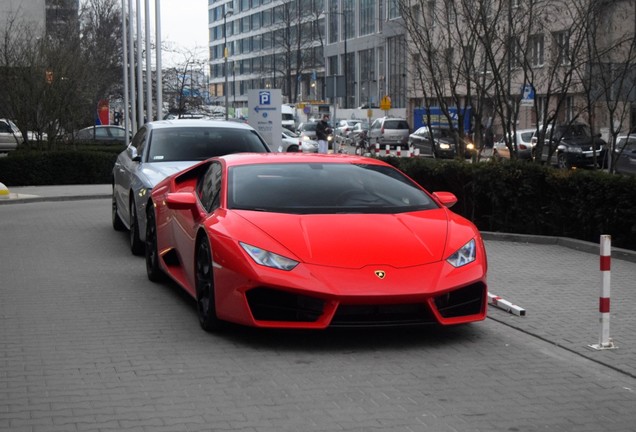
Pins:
x,y
367,17
569,109
514,52
536,46
562,47
349,19
431,14
333,21
394,9
542,103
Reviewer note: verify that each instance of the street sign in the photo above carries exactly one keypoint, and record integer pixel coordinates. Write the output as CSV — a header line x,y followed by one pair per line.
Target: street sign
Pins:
x,y
527,98
385,103
265,114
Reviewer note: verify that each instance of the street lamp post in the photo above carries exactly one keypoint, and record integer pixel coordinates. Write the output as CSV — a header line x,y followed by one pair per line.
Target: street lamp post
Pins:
x,y
227,13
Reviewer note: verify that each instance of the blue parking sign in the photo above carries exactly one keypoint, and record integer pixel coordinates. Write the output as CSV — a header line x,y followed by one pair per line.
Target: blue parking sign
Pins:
x,y
264,97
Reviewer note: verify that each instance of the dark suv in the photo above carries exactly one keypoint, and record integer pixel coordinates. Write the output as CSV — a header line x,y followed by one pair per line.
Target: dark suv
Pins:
x,y
572,145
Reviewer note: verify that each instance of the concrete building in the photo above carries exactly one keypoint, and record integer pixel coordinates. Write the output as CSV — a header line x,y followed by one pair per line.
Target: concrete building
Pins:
x,y
51,16
298,45
524,62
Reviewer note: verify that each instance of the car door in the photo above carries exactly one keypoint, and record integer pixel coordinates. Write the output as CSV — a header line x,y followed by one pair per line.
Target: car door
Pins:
x,y
374,131
126,169
186,222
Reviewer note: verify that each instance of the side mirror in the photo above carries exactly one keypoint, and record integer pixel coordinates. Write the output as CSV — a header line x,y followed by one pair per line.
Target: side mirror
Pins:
x,y
181,201
132,153
447,199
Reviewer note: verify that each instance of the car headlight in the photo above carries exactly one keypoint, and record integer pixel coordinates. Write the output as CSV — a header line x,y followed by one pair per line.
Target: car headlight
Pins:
x,y
444,146
574,149
306,138
269,259
464,255
470,146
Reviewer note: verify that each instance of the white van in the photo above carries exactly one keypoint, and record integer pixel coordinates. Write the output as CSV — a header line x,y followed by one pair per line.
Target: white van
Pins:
x,y
288,114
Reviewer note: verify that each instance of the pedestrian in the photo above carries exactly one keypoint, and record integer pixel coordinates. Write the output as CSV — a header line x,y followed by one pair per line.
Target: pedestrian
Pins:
x,y
323,130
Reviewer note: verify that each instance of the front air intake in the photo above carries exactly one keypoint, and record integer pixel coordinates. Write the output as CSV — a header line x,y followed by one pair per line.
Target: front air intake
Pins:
x,y
269,304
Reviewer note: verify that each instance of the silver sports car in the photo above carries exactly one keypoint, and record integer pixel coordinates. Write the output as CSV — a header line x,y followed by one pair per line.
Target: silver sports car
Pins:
x,y
165,147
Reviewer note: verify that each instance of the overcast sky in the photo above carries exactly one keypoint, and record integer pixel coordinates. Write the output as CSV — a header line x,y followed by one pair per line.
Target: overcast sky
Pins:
x,y
184,27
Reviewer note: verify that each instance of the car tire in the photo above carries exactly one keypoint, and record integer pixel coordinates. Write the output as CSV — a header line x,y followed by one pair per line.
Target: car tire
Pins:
x,y
118,224
136,245
204,284
153,269
562,162
292,149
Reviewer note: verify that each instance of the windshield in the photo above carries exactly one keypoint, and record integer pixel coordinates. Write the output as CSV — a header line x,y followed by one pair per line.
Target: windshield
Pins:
x,y
311,188
309,126
442,133
574,131
200,143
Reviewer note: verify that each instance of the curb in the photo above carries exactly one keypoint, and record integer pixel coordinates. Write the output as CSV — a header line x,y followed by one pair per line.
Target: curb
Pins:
x,y
580,245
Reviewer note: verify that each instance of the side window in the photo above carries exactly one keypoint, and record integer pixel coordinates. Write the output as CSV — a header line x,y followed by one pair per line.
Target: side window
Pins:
x,y
209,187
139,141
4,128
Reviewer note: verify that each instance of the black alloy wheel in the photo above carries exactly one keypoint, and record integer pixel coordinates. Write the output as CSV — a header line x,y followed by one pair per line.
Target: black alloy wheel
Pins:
x,y
562,161
136,245
153,270
118,225
204,281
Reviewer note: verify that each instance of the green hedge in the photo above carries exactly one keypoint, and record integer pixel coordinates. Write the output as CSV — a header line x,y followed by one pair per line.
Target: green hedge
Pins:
x,y
91,165
513,197
532,199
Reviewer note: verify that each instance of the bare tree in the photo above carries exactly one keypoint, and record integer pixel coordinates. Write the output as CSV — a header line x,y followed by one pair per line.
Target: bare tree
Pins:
x,y
293,35
51,84
608,73
183,83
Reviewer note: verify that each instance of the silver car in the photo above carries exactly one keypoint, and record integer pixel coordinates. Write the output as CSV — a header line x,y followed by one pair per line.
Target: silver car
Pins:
x,y
389,131
165,147
525,146
10,136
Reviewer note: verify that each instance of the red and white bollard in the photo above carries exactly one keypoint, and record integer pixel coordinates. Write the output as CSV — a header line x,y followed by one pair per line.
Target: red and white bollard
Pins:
x,y
398,151
605,342
387,150
377,149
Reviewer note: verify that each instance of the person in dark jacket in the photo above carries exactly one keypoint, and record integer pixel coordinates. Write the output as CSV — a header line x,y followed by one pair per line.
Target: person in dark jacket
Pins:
x,y
323,130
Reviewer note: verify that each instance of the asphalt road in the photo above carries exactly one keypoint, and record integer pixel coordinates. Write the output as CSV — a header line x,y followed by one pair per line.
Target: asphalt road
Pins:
x,y
87,343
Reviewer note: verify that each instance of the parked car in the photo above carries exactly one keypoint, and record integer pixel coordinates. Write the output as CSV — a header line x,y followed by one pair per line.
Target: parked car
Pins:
x,y
307,129
292,142
525,148
244,238
165,147
571,145
442,145
389,131
359,129
419,137
295,142
626,154
10,136
105,134
343,130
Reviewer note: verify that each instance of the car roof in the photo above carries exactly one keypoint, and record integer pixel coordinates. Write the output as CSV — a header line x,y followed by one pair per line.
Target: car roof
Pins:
x,y
237,159
181,123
